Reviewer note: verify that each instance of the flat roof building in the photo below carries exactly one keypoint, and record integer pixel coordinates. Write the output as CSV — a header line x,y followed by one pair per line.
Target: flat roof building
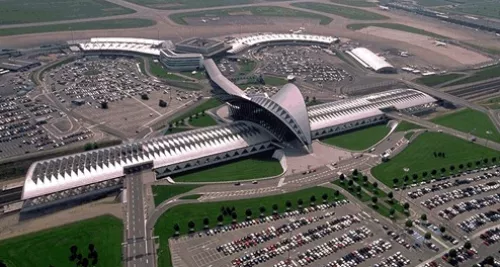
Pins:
x,y
371,60
206,47
17,64
181,62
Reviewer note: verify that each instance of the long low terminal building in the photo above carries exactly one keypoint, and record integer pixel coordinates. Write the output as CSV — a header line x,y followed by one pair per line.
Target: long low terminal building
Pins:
x,y
261,123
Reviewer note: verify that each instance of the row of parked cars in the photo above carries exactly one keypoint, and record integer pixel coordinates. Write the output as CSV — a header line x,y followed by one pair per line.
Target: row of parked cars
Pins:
x,y
399,239
274,217
356,257
396,260
469,191
463,255
286,244
432,264
465,206
491,236
478,220
449,184
334,245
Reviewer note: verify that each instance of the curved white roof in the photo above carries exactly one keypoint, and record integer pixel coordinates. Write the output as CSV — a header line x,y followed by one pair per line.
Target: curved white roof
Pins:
x,y
136,45
353,109
370,59
242,43
58,174
217,77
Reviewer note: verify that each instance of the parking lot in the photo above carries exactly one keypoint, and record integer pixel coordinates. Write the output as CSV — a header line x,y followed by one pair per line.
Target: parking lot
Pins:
x,y
310,64
132,97
339,234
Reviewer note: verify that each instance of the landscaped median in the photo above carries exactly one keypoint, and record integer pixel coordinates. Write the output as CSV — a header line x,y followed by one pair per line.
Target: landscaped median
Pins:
x,y
358,139
262,11
164,192
81,26
196,213
432,154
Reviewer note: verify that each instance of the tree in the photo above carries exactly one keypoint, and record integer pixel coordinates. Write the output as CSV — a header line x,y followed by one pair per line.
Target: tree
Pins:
x,y
288,205
355,172
415,176
442,229
469,165
87,146
423,217
220,219
390,195
336,193
2,264
494,159
452,167
374,200
206,222
248,213
409,223
375,184
452,253
162,103
144,97
262,210
489,260
342,178
176,229
313,200
460,166
406,178
191,226
350,183
433,172
104,105
275,208
85,262
234,216
395,181
406,205
443,170
424,174
391,212
428,236
300,202
325,198
478,163
365,179
73,249
358,190
467,245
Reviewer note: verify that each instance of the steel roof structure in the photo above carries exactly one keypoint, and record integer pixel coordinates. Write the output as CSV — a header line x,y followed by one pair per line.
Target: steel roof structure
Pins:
x,y
242,43
58,174
370,60
134,45
352,109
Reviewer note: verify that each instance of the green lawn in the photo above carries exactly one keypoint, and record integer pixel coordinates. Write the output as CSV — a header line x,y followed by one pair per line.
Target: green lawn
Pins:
x,y
483,8
187,4
438,79
343,11
274,81
358,3
203,121
194,196
266,11
158,70
434,2
404,126
246,66
164,192
80,26
30,11
395,26
182,214
469,120
199,75
408,135
484,74
177,130
51,246
205,105
487,49
358,139
253,167
418,156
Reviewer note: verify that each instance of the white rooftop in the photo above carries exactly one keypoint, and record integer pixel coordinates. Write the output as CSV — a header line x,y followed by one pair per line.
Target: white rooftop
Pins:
x,y
136,45
369,59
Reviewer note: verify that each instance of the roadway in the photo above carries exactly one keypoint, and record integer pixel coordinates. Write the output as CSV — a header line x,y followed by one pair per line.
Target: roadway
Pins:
x,y
10,195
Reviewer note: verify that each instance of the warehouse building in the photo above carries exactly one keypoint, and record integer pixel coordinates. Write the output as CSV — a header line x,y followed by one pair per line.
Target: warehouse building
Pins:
x,y
206,47
181,62
371,60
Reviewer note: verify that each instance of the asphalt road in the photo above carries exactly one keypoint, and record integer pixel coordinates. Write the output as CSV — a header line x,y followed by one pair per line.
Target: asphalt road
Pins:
x,y
11,195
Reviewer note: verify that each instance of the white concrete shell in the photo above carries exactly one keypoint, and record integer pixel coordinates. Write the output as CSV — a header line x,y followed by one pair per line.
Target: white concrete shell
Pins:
x,y
134,45
369,59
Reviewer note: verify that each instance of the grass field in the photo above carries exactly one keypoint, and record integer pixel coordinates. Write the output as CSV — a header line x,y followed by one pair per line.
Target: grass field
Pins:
x,y
246,66
343,11
30,11
193,196
492,103
418,156
395,26
159,71
253,167
358,3
187,4
207,104
182,214
484,74
199,75
408,135
484,8
438,79
274,81
81,26
404,126
51,247
470,121
266,11
434,2
164,192
202,121
359,139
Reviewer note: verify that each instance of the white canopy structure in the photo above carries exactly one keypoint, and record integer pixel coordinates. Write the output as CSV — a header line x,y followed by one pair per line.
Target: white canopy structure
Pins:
x,y
134,45
370,60
242,43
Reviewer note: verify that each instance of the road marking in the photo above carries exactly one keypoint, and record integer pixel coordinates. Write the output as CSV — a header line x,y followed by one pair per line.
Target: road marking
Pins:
x,y
281,182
